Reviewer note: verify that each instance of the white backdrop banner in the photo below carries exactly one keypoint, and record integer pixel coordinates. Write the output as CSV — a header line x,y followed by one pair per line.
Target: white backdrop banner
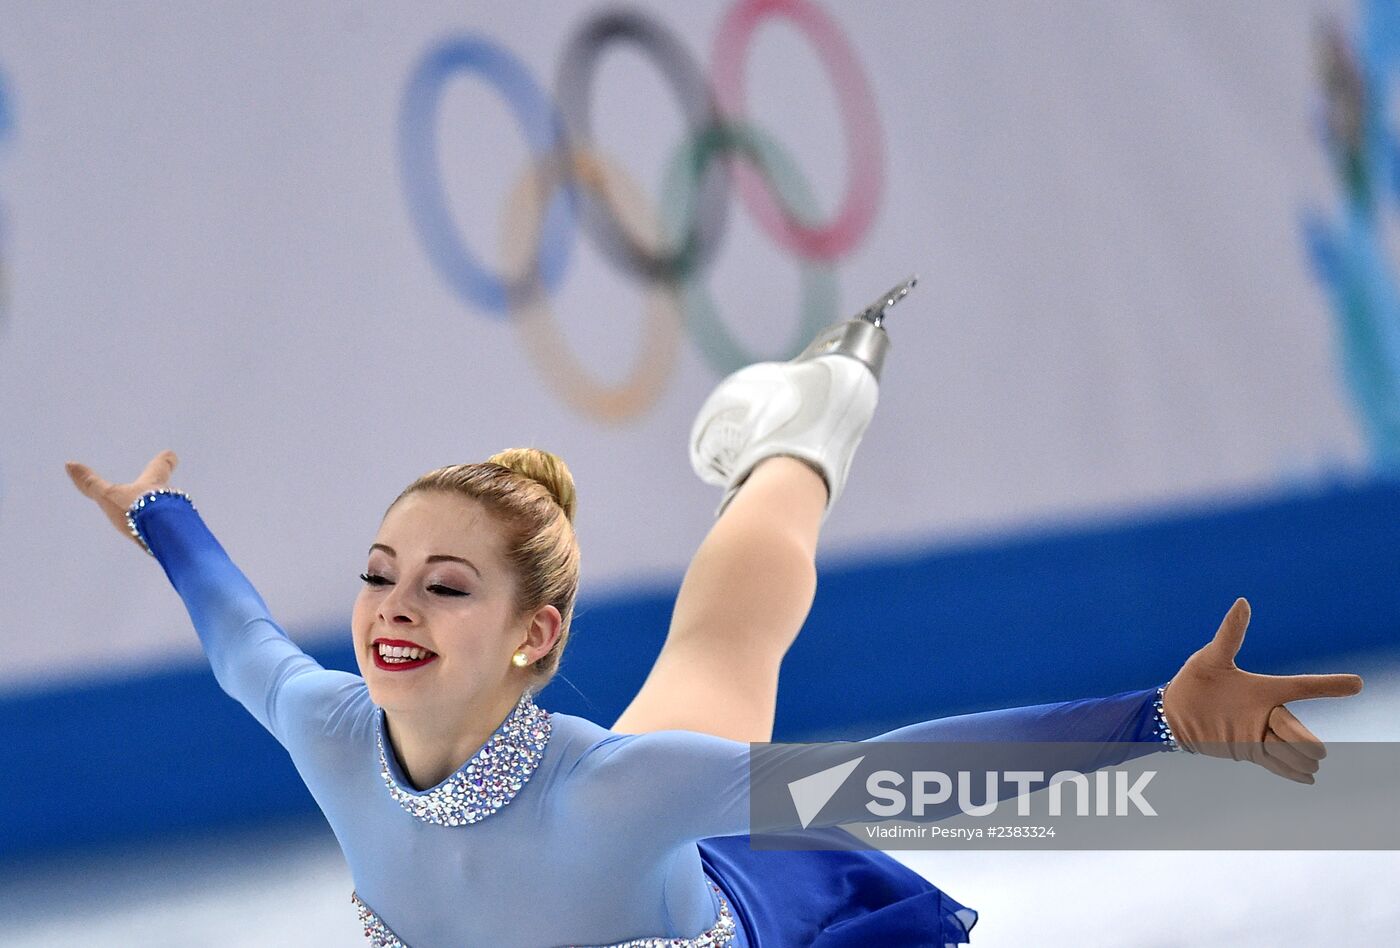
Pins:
x,y
320,248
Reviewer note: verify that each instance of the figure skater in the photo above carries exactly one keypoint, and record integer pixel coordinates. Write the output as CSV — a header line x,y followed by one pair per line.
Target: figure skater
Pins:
x,y
469,815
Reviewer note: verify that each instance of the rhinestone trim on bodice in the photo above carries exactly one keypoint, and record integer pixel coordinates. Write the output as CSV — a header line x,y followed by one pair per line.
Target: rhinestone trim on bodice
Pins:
x,y
379,934
488,781
719,935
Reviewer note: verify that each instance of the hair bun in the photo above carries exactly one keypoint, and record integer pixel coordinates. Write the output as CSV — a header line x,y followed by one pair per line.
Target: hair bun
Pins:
x,y
544,468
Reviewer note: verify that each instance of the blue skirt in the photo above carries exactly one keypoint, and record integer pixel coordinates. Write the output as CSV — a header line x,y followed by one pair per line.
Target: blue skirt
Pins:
x,y
822,899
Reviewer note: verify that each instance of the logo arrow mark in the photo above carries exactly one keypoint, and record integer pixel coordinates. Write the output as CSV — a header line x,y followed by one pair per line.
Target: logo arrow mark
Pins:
x,y
812,793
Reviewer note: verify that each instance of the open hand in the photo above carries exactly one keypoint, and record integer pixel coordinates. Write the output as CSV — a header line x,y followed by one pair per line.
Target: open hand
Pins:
x,y
114,499
1216,708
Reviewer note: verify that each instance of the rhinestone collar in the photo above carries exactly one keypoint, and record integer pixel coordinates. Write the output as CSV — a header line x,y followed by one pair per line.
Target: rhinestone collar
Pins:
x,y
484,784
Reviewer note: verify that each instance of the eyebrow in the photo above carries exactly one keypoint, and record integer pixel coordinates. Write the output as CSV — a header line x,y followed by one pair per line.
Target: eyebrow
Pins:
x,y
435,558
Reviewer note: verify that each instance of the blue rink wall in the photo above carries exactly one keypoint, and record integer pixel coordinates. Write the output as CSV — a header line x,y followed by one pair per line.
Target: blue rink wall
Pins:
x,y
891,638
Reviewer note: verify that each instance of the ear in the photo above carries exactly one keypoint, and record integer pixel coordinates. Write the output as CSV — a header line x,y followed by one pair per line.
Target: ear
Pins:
x,y
542,633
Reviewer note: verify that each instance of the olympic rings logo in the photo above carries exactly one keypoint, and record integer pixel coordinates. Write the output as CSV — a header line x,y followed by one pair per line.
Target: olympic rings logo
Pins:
x,y
569,185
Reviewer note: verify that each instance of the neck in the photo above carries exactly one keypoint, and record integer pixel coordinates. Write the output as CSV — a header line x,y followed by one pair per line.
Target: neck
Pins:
x,y
430,747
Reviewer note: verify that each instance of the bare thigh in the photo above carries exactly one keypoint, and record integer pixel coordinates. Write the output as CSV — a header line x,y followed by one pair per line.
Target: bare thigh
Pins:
x,y
692,689
741,605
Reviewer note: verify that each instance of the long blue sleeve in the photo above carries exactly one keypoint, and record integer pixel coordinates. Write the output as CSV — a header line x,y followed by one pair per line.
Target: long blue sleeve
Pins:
x,y
254,662
1126,717
688,772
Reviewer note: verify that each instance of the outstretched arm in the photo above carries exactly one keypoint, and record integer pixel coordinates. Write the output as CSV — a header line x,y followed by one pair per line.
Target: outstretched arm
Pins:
x,y
700,783
1210,706
697,785
252,658
1132,716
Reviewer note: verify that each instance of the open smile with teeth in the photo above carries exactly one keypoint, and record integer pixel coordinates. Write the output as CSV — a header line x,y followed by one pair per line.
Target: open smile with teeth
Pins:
x,y
394,655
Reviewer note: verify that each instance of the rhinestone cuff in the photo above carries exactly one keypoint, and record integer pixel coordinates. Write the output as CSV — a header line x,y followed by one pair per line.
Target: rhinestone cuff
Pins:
x,y
1160,728
488,781
140,504
719,935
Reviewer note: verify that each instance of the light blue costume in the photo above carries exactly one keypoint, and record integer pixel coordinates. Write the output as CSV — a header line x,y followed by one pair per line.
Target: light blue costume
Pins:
x,y
558,831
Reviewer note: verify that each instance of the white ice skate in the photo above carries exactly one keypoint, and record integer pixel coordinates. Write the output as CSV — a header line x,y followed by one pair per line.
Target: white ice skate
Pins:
x,y
815,407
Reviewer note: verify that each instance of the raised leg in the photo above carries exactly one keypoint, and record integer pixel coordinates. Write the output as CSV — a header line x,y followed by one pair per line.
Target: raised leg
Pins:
x,y
779,437
743,600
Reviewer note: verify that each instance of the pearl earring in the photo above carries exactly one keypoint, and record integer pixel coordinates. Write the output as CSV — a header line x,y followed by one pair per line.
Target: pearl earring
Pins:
x,y
520,659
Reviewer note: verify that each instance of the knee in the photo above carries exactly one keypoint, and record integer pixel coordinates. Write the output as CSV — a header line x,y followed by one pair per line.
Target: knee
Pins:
x,y
771,542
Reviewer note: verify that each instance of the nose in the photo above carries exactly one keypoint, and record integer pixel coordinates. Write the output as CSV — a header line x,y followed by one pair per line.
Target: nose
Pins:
x,y
398,607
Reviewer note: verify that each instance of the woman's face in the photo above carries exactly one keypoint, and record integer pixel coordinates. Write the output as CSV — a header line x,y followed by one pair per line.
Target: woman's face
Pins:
x,y
435,625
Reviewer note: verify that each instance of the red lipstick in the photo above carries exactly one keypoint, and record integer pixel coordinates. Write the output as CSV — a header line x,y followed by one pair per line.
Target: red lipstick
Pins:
x,y
400,664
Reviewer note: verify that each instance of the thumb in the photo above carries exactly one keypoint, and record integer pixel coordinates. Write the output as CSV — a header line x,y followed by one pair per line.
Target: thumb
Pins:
x,y
159,469
1230,636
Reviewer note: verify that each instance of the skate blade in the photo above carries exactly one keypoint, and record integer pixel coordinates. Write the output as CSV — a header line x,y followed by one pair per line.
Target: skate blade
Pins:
x,y
863,337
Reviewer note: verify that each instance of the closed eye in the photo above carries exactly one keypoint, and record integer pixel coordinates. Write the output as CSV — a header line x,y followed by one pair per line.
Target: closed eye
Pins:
x,y
374,579
442,590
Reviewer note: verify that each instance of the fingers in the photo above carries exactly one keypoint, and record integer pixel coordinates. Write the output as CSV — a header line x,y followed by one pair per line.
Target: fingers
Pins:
x,y
1262,753
1299,687
1290,729
159,469
1294,758
1272,763
86,480
1230,636
155,474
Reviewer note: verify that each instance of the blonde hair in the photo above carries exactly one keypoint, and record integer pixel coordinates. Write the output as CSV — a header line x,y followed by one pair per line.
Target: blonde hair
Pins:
x,y
532,493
